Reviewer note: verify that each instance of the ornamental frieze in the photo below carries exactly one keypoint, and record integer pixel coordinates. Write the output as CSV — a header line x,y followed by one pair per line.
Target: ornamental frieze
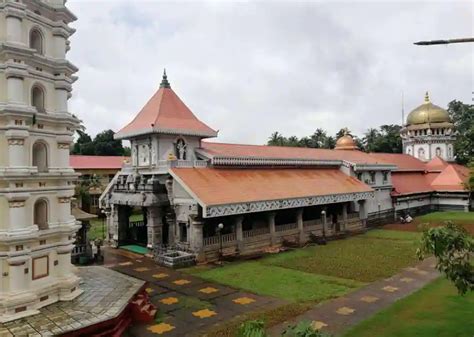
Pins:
x,y
16,141
261,206
64,200
16,203
63,146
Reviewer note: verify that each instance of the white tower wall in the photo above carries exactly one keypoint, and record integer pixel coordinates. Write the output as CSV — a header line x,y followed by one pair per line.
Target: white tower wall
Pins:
x,y
36,183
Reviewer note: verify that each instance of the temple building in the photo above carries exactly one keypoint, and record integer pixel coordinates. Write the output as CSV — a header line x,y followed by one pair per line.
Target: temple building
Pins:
x,y
214,198
36,226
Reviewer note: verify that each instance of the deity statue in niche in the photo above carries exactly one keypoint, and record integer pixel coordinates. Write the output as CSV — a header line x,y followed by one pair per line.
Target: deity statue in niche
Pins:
x,y
181,149
438,152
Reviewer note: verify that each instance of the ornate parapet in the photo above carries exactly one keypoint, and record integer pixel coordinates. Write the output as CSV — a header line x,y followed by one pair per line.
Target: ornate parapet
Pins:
x,y
261,206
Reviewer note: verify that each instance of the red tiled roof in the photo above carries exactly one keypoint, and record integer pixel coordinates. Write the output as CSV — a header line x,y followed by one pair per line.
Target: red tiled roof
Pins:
x,y
436,164
410,182
285,152
166,113
452,178
404,162
213,186
96,162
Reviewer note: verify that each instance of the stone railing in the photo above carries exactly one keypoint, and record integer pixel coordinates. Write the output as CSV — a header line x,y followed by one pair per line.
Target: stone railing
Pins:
x,y
286,227
256,232
310,223
214,240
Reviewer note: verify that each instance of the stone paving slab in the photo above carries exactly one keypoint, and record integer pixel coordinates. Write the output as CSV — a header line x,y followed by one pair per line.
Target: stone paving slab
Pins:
x,y
337,315
106,294
187,305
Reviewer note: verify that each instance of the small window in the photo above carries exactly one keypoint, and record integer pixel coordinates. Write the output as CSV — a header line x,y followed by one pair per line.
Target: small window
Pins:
x,y
41,214
372,177
37,98
385,177
36,41
40,156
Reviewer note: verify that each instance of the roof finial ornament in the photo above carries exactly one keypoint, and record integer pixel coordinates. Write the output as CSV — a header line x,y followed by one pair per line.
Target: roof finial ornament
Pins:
x,y
427,97
164,81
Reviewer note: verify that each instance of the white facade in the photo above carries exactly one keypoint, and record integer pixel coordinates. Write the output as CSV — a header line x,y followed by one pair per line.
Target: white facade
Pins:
x,y
36,183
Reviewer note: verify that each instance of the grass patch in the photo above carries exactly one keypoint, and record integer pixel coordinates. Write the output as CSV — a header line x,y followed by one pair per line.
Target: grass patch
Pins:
x,y
194,303
288,284
271,317
462,218
97,229
435,310
365,258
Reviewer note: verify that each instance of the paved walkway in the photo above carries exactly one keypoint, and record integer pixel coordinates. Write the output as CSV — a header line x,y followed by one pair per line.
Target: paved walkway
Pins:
x,y
338,315
187,305
106,294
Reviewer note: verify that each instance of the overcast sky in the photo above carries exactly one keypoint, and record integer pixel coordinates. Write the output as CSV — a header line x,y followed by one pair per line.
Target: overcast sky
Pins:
x,y
251,68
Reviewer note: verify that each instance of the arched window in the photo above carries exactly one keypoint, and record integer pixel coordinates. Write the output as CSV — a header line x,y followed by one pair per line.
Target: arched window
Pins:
x,y
37,98
41,214
40,156
421,153
36,41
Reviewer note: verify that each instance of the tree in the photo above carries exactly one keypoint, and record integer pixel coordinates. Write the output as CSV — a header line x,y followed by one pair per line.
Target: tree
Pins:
x,y
462,116
276,139
452,247
370,140
103,144
106,145
84,144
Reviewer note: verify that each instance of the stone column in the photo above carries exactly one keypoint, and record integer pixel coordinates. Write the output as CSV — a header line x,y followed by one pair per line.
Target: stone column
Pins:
x,y
299,222
122,224
197,239
154,226
239,232
344,217
363,212
324,223
271,224
113,226
14,27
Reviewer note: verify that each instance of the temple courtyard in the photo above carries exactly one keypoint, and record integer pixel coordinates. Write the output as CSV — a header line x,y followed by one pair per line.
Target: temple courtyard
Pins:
x,y
338,286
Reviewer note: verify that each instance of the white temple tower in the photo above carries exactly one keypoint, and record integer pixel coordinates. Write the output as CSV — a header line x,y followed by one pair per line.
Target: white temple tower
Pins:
x,y
429,133
36,183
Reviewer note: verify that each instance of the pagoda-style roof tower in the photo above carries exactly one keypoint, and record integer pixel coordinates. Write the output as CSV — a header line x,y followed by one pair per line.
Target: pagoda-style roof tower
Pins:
x,y
165,113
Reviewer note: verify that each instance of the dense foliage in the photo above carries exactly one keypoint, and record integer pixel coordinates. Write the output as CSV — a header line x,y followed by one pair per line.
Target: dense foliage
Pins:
x,y
103,144
452,246
385,139
256,328
462,116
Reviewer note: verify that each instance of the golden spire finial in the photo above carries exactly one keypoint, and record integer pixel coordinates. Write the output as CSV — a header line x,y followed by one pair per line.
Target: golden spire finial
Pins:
x,y
427,97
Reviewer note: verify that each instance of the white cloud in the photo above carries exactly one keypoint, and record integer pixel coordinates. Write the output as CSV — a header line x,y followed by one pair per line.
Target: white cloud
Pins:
x,y
249,69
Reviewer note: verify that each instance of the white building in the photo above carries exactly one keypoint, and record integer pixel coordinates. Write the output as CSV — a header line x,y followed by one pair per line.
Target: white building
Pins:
x,y
36,183
429,133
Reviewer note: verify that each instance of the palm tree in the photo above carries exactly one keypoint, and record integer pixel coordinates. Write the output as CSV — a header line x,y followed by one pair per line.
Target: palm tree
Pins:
x,y
370,138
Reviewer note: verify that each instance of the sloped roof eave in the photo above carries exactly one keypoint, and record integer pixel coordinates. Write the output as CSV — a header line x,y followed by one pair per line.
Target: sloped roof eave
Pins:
x,y
184,132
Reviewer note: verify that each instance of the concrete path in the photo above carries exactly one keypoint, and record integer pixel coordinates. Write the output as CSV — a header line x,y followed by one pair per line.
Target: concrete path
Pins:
x,y
187,305
338,315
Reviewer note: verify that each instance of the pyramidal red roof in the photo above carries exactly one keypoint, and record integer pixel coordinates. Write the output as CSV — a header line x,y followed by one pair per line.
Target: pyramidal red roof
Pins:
x,y
436,164
165,113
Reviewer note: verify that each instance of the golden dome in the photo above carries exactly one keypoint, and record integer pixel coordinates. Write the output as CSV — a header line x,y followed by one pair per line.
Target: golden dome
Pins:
x,y
346,142
428,113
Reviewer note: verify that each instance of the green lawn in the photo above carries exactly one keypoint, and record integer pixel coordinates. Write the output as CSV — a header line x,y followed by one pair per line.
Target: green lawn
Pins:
x,y
317,273
462,218
288,284
436,310
365,258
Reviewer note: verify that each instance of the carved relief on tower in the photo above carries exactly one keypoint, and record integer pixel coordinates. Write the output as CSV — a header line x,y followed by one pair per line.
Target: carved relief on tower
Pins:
x,y
16,141
181,149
